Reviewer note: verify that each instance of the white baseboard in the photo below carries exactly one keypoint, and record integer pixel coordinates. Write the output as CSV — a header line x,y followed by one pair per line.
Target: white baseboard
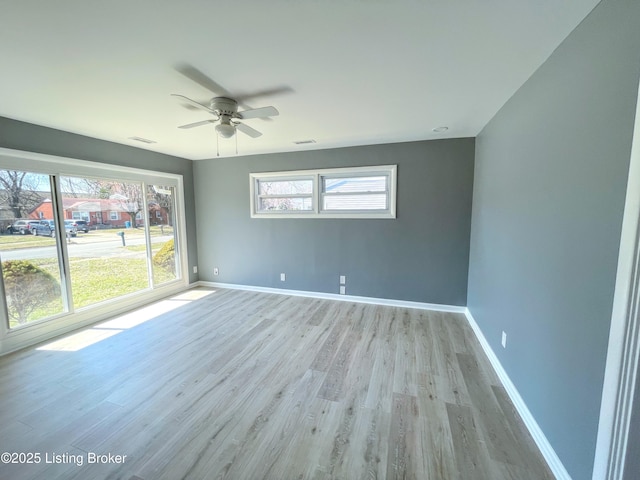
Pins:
x,y
549,454
335,296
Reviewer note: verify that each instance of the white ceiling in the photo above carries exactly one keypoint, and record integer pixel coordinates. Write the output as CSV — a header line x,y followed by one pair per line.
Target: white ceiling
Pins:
x,y
360,71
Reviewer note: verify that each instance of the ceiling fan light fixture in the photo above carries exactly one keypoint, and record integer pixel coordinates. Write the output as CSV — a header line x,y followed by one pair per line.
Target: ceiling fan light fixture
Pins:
x,y
225,130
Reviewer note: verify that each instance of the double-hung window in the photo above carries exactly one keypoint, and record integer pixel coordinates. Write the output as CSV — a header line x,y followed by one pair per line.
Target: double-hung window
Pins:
x,y
284,195
355,192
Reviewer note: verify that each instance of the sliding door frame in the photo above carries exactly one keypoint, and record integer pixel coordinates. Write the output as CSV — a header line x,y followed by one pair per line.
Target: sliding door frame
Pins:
x,y
623,354
56,167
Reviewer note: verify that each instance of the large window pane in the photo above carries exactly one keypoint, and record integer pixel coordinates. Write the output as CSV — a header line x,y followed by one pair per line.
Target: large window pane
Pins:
x,y
162,232
107,258
31,271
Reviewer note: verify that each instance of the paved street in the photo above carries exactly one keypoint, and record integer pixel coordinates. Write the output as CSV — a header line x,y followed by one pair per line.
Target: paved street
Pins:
x,y
89,245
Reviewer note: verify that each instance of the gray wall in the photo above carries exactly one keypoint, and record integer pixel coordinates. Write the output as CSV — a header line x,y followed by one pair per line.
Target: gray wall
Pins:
x,y
421,256
549,189
33,138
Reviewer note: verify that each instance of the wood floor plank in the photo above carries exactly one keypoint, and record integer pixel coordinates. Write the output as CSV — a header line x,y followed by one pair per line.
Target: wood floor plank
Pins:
x,y
237,384
471,455
358,376
380,389
334,383
405,370
324,356
322,311
501,438
403,455
530,465
435,437
301,423
365,458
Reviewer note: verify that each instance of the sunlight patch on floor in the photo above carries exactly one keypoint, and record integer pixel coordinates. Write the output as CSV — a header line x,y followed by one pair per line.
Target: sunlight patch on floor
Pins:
x,y
79,340
195,294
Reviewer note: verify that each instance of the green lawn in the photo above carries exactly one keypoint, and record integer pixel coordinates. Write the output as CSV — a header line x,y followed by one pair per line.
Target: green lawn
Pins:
x,y
98,279
154,231
95,280
14,242
136,248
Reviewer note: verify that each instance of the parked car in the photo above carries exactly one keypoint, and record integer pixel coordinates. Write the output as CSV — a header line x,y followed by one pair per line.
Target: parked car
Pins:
x,y
48,228
23,227
70,228
81,225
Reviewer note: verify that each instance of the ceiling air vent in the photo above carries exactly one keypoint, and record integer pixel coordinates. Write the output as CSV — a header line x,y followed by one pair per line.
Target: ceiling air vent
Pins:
x,y
304,142
143,140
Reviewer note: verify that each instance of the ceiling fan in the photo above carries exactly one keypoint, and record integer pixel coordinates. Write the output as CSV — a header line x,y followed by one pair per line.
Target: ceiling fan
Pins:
x,y
225,111
224,106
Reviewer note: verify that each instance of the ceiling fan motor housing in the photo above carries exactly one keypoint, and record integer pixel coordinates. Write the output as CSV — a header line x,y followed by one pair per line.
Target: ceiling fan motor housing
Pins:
x,y
224,106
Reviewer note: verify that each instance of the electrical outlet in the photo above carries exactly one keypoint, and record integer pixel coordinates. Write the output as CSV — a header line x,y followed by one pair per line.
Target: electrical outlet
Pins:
x,y
343,290
343,279
504,340
283,277
195,269
215,270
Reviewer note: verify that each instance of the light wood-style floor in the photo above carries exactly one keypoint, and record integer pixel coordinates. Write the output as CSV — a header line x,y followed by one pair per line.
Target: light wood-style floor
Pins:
x,y
246,385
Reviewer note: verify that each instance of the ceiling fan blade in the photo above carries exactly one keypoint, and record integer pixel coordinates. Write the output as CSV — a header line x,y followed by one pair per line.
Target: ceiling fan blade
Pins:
x,y
247,130
191,107
193,102
198,124
258,113
195,75
242,97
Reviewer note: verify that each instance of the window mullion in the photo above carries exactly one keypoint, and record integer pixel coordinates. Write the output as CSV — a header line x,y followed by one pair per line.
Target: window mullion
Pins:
x,y
62,248
316,192
147,234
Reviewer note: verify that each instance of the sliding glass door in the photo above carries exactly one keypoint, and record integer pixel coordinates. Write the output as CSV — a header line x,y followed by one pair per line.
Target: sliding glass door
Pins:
x,y
70,242
107,257
30,253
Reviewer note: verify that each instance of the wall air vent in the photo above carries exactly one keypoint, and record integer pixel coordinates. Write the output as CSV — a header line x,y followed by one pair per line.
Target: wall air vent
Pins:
x,y
143,140
304,142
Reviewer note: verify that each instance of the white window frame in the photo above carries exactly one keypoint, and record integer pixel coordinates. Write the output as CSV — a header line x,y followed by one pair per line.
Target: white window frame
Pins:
x,y
389,171
114,215
283,177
